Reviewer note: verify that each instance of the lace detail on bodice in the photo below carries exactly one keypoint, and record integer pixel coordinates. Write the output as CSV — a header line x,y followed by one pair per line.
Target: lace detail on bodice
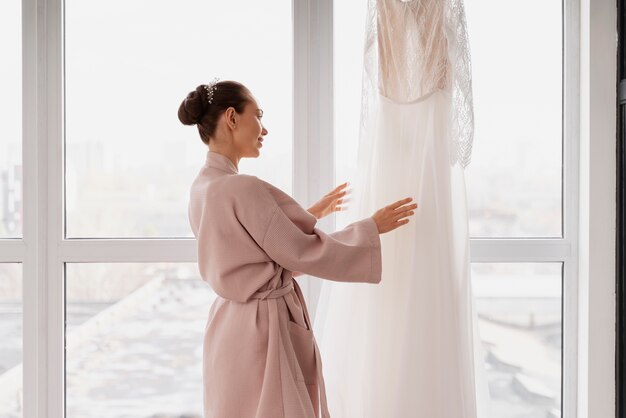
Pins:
x,y
416,47
412,49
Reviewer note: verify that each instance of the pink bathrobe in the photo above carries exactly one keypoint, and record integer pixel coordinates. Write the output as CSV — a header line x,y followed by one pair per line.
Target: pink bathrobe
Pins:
x,y
260,357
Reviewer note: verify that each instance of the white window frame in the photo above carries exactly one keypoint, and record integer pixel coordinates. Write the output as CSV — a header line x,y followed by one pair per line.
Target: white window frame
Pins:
x,y
43,251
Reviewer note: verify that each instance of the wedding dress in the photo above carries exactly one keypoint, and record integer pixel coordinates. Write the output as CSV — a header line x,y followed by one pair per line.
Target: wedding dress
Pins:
x,y
409,346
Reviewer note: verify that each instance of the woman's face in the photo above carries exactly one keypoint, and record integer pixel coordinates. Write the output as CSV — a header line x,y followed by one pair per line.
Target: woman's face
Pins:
x,y
248,135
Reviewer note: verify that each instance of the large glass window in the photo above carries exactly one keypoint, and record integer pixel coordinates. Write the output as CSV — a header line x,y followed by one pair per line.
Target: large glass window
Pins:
x,y
11,354
520,323
134,337
11,119
128,66
514,180
134,330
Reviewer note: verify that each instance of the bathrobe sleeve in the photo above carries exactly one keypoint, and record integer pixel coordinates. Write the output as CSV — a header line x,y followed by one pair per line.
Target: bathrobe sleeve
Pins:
x,y
287,233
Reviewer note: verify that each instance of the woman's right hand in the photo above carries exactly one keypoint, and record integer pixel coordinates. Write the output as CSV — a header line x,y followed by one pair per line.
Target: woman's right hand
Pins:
x,y
391,216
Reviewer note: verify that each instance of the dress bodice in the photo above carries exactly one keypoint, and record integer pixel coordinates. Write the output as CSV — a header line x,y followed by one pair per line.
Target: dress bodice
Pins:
x,y
412,48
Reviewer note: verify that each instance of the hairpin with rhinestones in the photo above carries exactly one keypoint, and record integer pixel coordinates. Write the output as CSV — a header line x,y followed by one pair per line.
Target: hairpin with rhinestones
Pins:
x,y
210,88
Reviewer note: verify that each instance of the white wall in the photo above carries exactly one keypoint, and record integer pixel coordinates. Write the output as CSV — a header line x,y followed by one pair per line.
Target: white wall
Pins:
x,y
596,396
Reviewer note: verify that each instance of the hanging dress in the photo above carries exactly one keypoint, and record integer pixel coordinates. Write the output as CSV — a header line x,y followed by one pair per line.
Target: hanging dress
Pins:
x,y
410,347
260,358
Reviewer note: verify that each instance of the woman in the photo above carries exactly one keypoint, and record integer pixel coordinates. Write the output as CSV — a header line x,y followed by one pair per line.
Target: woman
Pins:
x,y
260,357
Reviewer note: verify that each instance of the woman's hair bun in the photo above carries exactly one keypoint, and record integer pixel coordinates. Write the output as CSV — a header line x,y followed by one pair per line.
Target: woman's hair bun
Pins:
x,y
196,109
191,110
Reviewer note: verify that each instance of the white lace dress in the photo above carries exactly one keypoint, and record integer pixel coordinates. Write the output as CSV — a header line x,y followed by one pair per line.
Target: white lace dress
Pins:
x,y
409,347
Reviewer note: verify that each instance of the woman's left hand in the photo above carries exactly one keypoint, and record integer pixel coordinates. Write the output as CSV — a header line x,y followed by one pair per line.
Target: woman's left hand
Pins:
x,y
330,202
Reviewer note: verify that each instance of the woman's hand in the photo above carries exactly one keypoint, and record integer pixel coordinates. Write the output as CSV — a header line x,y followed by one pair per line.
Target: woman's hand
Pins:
x,y
390,217
330,202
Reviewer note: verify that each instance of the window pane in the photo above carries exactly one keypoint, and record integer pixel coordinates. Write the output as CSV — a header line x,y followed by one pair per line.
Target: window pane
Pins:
x,y
11,405
130,162
134,336
11,119
519,310
514,180
349,38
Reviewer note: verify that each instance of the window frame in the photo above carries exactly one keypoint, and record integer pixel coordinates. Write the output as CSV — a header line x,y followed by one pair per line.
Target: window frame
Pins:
x,y
43,250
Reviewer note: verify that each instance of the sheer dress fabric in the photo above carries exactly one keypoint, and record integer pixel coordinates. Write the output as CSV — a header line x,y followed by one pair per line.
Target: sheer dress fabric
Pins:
x,y
410,347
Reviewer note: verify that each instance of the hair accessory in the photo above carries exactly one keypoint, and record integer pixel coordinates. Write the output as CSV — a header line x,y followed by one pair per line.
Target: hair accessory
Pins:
x,y
210,88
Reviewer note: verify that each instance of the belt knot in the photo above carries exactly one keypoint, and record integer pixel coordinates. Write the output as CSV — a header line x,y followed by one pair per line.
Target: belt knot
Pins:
x,y
273,293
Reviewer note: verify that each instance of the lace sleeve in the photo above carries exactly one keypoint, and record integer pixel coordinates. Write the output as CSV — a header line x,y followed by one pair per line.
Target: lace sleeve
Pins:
x,y
462,101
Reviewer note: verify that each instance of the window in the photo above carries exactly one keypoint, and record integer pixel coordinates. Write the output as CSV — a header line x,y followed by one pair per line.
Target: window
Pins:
x,y
515,191
128,168
519,318
514,180
93,218
11,225
107,174
11,354
134,336
11,120
122,91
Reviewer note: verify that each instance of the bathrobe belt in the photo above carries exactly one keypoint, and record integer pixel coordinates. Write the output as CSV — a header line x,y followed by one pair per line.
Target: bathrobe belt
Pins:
x,y
274,293
280,292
